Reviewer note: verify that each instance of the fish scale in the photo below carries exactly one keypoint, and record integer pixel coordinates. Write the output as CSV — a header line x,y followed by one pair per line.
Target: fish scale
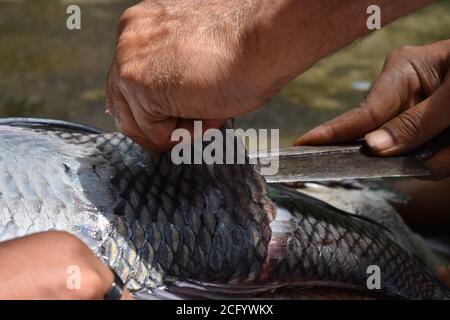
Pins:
x,y
211,227
115,162
404,274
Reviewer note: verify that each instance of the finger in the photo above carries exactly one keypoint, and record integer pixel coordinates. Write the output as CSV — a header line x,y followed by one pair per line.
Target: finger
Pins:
x,y
126,123
205,124
117,106
158,128
166,142
154,134
388,96
413,127
439,165
160,132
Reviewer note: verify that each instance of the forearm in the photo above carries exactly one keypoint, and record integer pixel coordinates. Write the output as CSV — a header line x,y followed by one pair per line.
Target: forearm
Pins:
x,y
277,39
295,34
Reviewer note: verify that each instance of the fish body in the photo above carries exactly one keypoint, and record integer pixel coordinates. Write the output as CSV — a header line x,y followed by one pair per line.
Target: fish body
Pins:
x,y
195,230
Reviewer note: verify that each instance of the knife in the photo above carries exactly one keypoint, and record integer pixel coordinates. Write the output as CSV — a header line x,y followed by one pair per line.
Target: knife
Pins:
x,y
344,161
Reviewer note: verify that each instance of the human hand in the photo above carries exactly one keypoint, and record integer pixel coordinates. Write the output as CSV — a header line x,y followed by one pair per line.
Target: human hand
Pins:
x,y
177,61
408,105
36,267
174,65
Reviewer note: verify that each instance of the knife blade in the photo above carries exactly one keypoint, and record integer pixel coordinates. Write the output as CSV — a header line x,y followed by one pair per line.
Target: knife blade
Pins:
x,y
336,162
344,161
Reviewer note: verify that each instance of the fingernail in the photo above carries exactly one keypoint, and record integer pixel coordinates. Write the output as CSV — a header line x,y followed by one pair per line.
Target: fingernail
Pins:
x,y
380,140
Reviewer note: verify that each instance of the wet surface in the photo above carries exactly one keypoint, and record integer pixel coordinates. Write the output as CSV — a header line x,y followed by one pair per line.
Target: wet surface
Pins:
x,y
49,71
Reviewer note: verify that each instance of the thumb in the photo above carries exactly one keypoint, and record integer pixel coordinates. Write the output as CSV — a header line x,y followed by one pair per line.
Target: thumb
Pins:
x,y
413,127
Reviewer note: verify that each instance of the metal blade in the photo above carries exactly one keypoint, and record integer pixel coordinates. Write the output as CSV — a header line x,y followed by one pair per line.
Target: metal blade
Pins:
x,y
334,163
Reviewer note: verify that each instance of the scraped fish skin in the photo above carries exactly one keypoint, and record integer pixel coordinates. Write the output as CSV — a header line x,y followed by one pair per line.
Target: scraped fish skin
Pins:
x,y
156,223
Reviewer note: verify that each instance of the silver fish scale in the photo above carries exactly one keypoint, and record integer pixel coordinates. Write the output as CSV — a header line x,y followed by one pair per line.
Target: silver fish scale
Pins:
x,y
326,246
150,220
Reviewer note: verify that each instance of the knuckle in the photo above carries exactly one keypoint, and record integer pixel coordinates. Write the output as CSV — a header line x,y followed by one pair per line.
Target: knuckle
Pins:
x,y
127,69
401,53
405,50
370,113
411,124
126,72
123,22
127,64
129,14
329,131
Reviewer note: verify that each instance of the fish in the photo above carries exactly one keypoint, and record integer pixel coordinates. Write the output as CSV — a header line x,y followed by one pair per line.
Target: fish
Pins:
x,y
199,231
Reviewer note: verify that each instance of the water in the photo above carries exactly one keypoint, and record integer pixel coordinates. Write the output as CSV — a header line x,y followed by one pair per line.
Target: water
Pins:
x,y
49,71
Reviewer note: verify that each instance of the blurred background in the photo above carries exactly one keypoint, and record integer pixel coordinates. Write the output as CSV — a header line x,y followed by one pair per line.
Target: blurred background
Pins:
x,y
49,71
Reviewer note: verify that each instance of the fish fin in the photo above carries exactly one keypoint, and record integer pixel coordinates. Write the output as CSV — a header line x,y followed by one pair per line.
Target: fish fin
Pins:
x,y
49,124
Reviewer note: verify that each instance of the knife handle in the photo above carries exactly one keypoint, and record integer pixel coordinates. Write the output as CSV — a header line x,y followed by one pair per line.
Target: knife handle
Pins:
x,y
430,148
